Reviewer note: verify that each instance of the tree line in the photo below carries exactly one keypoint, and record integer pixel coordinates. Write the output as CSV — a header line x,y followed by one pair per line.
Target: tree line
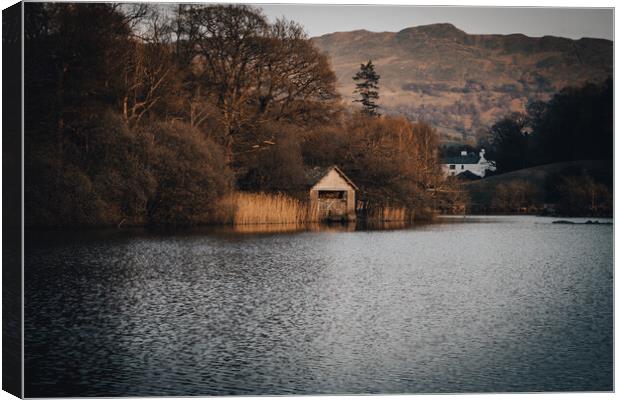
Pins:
x,y
575,124
137,115
571,138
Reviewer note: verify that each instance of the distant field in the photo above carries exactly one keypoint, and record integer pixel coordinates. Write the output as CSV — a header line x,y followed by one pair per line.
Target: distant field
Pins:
x,y
482,191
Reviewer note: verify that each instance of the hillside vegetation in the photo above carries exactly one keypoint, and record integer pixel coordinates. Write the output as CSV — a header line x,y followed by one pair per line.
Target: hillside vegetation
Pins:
x,y
463,83
567,188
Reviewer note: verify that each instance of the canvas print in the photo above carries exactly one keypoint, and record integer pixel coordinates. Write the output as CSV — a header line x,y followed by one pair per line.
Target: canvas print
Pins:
x,y
245,199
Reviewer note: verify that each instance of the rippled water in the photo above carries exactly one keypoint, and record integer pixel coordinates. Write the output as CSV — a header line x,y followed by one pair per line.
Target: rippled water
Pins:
x,y
499,304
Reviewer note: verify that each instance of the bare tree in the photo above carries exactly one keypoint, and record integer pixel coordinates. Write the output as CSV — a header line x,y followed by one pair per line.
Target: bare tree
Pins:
x,y
251,70
149,65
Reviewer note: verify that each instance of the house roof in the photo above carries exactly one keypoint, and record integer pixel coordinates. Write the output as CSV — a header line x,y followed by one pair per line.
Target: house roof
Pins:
x,y
470,158
468,176
314,175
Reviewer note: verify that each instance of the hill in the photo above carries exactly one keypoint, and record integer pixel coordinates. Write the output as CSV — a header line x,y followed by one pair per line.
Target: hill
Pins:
x,y
463,83
540,179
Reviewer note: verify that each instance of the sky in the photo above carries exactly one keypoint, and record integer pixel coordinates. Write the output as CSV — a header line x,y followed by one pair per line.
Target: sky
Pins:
x,y
573,23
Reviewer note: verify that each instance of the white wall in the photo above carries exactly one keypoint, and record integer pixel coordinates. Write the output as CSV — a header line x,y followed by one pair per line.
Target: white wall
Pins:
x,y
479,169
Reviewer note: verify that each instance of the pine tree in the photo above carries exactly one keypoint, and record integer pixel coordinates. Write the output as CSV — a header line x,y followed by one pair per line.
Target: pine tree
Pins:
x,y
368,88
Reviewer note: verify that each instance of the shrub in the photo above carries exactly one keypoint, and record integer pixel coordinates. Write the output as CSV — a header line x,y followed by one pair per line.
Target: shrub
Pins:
x,y
99,177
275,162
580,195
513,196
191,175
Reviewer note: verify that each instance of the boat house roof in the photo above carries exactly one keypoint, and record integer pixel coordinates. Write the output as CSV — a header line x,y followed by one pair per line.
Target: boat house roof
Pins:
x,y
314,175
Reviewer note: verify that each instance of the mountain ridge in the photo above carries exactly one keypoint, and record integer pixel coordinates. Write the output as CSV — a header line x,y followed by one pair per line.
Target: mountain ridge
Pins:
x,y
461,82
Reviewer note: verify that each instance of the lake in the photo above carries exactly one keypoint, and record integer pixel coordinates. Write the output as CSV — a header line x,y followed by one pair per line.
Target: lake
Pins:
x,y
484,304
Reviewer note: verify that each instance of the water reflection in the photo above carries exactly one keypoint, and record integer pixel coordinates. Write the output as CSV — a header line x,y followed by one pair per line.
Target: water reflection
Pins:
x,y
515,304
282,228
348,226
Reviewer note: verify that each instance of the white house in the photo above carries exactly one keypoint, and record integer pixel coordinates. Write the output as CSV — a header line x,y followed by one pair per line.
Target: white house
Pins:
x,y
467,164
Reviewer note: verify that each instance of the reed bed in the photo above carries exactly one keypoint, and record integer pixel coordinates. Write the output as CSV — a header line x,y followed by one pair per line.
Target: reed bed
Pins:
x,y
387,218
389,214
244,210
265,208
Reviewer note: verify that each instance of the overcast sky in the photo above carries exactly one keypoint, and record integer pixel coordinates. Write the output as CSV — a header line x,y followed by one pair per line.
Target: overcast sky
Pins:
x,y
567,22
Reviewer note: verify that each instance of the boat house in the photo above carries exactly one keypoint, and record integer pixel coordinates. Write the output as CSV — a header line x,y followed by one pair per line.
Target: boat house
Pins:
x,y
332,194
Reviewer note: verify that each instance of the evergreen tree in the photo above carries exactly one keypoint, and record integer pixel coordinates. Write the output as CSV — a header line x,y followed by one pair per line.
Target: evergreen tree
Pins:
x,y
368,88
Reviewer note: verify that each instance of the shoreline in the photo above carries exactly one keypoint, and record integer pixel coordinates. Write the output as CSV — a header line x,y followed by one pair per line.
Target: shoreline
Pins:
x,y
310,226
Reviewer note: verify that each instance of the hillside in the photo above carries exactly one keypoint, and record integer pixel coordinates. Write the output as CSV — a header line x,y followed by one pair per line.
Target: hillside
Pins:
x,y
541,179
463,83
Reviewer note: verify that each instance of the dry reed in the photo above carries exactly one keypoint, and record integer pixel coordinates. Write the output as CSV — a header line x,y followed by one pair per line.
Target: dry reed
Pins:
x,y
242,208
264,208
388,214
